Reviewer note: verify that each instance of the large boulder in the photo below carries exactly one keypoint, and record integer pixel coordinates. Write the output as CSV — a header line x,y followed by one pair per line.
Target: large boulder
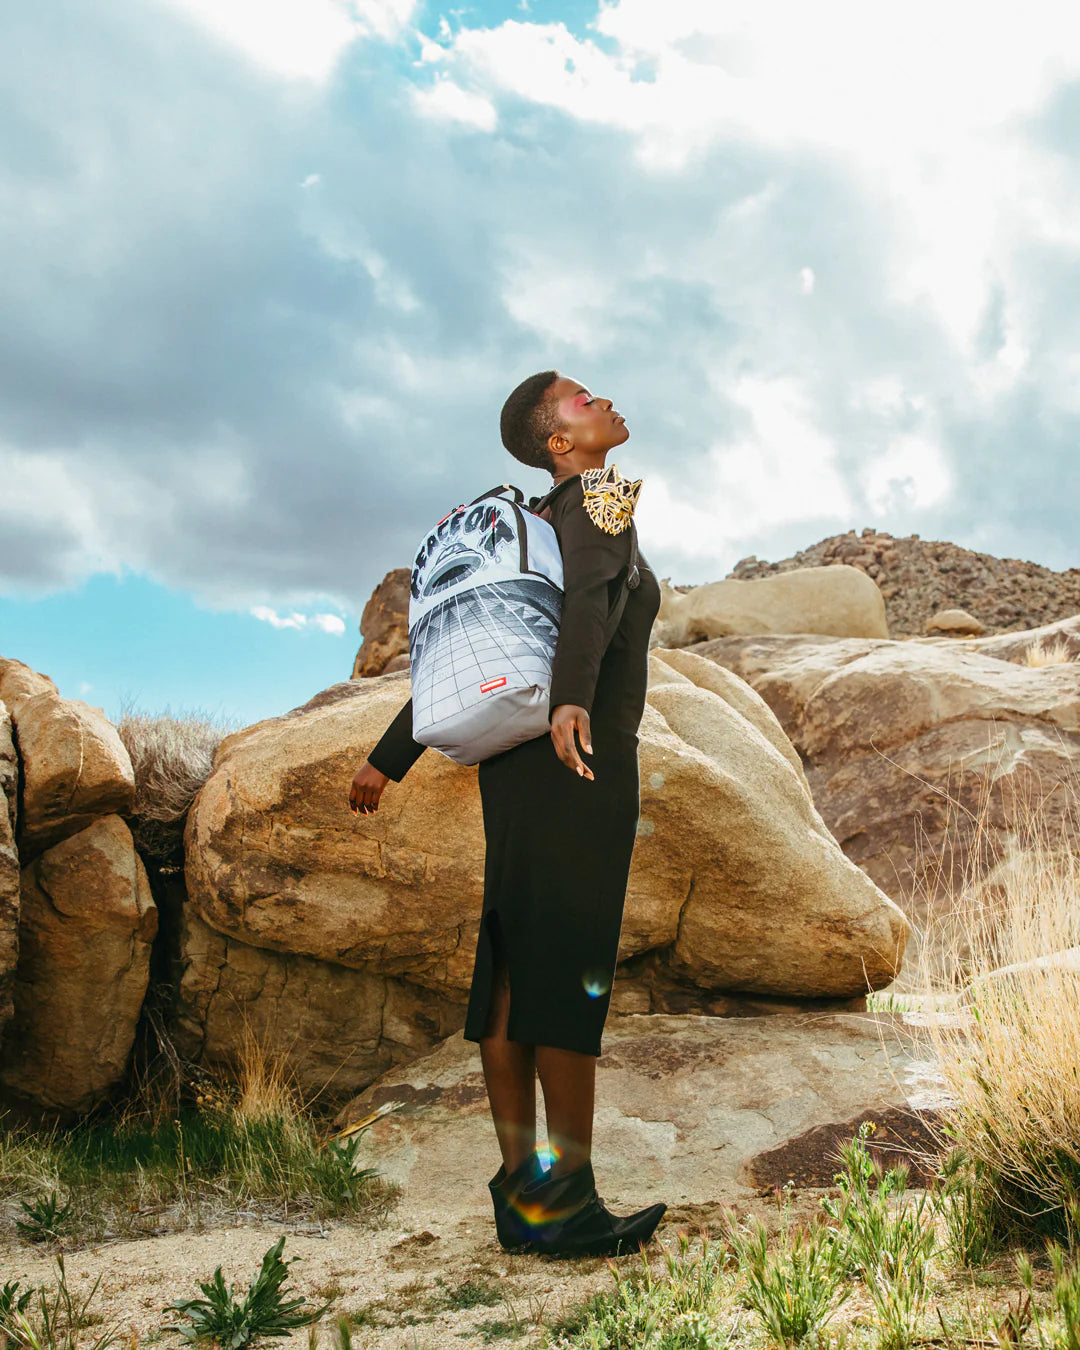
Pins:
x,y
384,624
736,882
841,601
955,623
694,1111
9,867
926,759
86,926
331,1025
18,683
75,769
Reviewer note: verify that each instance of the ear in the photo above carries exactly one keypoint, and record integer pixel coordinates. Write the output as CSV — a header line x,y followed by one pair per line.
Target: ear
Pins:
x,y
560,442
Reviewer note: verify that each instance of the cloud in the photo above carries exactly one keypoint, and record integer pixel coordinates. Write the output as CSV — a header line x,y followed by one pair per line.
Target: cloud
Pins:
x,y
297,38
327,623
262,305
267,615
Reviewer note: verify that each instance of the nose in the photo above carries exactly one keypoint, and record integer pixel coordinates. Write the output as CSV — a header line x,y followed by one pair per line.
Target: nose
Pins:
x,y
609,403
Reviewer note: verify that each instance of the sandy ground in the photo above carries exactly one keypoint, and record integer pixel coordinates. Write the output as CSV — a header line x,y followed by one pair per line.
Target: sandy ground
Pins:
x,y
398,1273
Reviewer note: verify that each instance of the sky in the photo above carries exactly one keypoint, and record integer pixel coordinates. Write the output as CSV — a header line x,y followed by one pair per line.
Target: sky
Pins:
x,y
271,267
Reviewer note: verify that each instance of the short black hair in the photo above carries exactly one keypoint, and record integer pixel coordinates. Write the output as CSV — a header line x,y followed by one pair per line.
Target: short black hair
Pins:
x,y
528,418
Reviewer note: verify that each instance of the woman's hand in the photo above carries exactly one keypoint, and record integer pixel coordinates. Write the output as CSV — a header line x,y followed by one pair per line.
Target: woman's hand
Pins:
x,y
366,789
565,720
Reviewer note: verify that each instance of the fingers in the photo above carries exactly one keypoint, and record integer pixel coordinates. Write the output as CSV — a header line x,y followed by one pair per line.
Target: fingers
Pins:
x,y
363,795
566,747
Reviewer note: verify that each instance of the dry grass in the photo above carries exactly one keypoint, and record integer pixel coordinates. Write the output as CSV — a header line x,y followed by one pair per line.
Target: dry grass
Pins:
x,y
1010,1055
172,756
1043,652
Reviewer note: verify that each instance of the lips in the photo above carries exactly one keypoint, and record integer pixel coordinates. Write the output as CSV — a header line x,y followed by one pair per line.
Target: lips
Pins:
x,y
618,417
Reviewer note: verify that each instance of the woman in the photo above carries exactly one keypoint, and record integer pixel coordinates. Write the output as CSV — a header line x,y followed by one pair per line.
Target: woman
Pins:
x,y
558,843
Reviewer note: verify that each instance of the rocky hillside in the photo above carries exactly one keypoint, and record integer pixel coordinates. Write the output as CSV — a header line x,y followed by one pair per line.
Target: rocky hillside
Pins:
x,y
918,577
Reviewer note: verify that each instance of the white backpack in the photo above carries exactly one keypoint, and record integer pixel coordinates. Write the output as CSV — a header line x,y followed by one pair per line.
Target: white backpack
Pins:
x,y
485,603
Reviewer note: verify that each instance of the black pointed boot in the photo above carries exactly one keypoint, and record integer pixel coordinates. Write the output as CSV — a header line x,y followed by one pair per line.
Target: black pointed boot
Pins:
x,y
511,1227
567,1218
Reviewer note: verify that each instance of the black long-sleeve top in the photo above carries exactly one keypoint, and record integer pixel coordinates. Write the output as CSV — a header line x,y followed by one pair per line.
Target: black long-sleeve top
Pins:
x,y
594,565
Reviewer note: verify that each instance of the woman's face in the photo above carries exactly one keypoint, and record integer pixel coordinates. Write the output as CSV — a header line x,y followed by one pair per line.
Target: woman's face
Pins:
x,y
589,422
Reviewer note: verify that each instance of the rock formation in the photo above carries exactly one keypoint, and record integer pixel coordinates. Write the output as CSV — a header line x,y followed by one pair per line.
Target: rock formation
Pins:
x,y
955,623
907,745
74,765
697,1111
330,1024
87,922
920,576
736,881
841,601
384,624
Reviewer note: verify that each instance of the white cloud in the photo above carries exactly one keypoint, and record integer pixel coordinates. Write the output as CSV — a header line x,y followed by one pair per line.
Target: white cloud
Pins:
x,y
912,472
930,126
298,38
267,615
327,623
782,469
806,280
448,102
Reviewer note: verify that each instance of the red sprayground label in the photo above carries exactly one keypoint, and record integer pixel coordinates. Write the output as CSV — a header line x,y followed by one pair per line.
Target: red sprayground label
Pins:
x,y
489,685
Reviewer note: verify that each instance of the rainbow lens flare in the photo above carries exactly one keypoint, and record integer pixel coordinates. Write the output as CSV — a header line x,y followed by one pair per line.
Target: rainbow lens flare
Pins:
x,y
596,982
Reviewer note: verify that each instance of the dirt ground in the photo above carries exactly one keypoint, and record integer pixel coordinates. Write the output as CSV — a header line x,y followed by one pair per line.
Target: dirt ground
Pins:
x,y
400,1283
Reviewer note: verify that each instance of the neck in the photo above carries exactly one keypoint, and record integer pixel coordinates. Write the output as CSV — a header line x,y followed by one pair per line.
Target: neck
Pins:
x,y
557,478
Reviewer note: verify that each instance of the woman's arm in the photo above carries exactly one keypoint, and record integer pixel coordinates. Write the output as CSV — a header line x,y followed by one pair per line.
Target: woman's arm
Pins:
x,y
592,561
396,751
392,758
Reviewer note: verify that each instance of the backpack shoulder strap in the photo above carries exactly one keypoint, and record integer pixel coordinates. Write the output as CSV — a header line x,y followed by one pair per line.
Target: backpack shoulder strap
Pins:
x,y
498,490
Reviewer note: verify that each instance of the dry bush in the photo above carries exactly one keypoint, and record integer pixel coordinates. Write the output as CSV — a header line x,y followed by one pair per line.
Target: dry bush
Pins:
x,y
1044,653
1010,1050
172,757
265,1086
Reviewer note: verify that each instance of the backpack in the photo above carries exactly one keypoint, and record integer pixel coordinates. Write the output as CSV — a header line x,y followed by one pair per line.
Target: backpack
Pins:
x,y
485,602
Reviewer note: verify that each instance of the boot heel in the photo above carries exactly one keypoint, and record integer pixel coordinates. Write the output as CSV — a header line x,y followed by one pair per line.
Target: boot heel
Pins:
x,y
511,1227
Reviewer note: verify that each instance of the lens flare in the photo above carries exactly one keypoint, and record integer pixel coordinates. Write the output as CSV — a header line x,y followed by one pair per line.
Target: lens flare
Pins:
x,y
596,982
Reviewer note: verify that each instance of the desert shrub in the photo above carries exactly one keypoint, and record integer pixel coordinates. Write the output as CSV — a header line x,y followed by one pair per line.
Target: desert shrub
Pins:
x,y
172,756
1048,652
1009,1045
1011,1050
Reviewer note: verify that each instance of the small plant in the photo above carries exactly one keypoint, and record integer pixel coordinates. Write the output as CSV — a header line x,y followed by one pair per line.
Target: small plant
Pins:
x,y
1065,1296
967,1202
264,1311
11,1301
469,1294
673,1310
796,1288
887,1245
53,1321
46,1219
334,1174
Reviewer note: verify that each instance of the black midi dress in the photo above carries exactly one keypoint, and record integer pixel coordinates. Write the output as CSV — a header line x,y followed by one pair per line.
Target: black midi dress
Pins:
x,y
559,846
